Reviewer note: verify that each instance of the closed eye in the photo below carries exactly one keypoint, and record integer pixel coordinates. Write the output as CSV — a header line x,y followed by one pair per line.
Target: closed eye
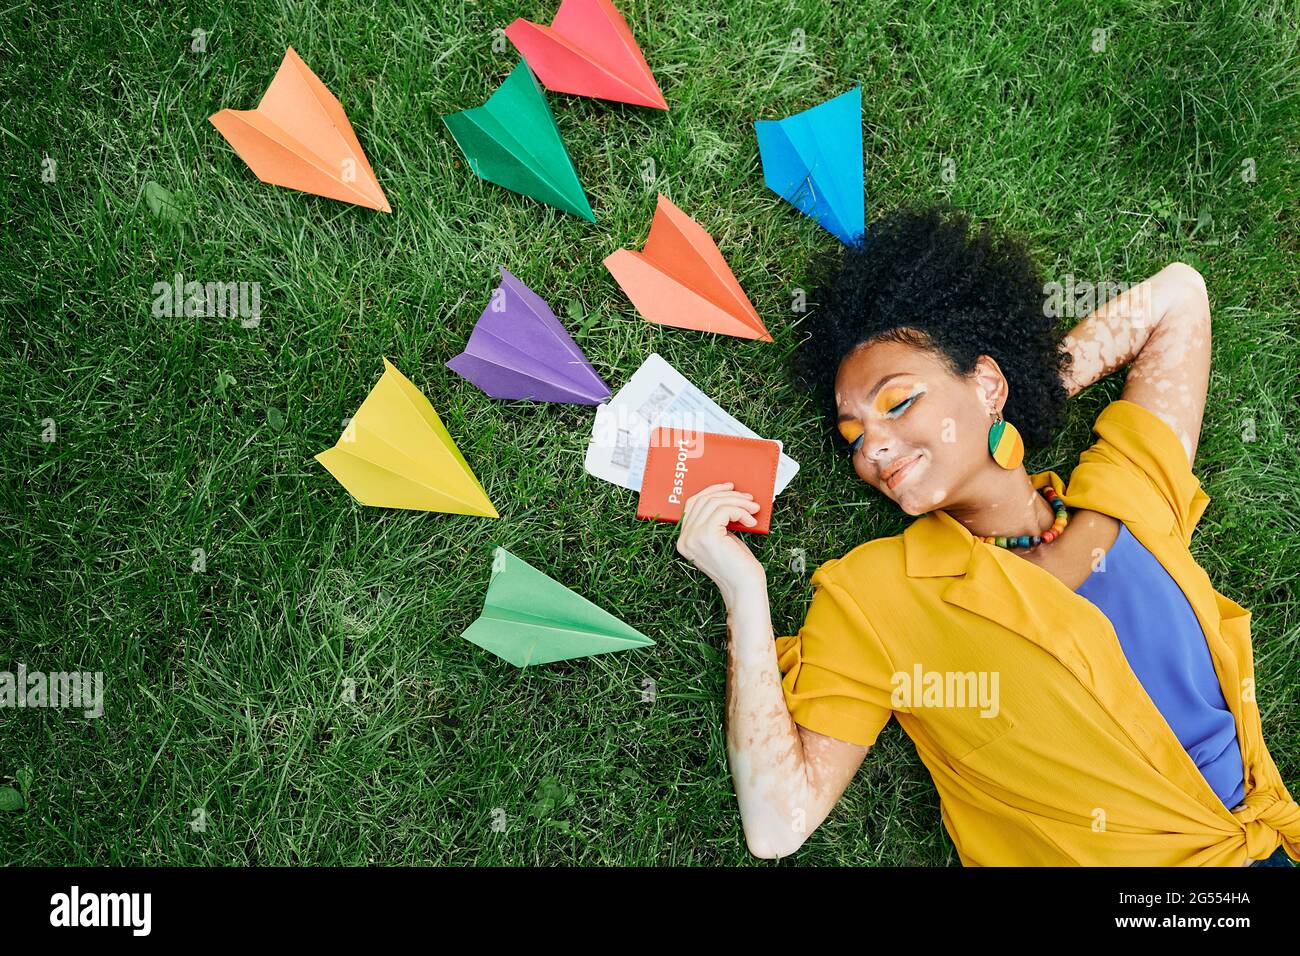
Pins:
x,y
853,433
902,406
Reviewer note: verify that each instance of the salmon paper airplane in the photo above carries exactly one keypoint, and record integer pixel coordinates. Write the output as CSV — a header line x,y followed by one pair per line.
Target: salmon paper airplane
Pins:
x,y
588,50
519,350
512,140
529,618
681,279
396,453
300,138
813,160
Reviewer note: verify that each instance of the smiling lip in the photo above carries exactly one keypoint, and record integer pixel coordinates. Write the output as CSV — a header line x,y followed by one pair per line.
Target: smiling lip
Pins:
x,y
900,473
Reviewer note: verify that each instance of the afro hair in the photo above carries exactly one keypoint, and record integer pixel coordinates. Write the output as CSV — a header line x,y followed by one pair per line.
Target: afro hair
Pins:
x,y
922,276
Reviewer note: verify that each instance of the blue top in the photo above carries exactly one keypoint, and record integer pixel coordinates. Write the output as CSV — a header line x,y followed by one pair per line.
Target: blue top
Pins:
x,y
1166,648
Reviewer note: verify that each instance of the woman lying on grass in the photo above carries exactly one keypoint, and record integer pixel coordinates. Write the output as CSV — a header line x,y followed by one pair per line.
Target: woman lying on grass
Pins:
x,y
1076,687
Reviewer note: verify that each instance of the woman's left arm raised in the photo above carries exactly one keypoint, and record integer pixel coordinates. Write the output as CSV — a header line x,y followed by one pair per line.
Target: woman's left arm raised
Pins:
x,y
1162,327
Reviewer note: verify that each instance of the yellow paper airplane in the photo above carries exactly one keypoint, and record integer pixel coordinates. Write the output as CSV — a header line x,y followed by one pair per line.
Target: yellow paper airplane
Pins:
x,y
396,453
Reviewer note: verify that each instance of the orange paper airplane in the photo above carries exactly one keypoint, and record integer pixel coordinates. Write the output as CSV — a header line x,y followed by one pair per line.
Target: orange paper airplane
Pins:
x,y
588,50
681,279
299,137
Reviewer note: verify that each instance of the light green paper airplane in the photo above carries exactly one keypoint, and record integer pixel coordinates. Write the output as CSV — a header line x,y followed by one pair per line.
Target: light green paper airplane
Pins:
x,y
529,618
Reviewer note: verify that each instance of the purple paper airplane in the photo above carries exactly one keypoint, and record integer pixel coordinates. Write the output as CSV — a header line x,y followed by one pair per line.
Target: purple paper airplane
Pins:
x,y
519,349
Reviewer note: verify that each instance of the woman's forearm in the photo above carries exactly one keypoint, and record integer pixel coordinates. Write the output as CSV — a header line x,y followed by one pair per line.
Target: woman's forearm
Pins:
x,y
764,748
1112,335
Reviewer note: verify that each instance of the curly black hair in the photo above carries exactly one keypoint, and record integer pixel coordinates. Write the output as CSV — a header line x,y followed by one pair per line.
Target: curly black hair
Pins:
x,y
923,277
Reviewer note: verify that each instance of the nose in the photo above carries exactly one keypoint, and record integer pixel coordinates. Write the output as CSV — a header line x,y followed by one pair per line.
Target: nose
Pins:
x,y
879,441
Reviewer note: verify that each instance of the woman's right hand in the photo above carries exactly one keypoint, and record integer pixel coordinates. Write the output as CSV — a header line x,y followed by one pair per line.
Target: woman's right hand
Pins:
x,y
704,540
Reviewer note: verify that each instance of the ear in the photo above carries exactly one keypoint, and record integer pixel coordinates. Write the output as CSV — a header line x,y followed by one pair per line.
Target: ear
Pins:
x,y
990,384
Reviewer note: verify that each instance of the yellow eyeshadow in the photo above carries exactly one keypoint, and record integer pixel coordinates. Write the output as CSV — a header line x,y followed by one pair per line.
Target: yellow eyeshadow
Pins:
x,y
887,398
851,431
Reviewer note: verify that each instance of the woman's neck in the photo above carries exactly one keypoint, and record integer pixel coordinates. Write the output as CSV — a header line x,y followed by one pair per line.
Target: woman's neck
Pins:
x,y
1003,503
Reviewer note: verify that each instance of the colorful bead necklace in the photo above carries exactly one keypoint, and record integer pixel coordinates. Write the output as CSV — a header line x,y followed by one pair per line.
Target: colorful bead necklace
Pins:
x,y
1031,540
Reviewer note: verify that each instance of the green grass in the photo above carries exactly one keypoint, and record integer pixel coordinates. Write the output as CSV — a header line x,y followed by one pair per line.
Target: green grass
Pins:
x,y
225,688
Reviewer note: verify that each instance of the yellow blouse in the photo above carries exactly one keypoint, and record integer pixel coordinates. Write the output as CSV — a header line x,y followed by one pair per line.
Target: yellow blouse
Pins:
x,y
1075,765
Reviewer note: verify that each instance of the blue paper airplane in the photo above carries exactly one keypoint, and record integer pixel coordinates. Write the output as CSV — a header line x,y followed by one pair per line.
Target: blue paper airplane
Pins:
x,y
813,160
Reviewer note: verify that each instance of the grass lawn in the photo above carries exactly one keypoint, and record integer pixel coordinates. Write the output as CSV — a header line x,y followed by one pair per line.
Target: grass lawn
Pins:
x,y
226,688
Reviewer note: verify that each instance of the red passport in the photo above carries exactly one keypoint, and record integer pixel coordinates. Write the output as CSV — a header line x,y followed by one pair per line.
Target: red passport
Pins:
x,y
681,462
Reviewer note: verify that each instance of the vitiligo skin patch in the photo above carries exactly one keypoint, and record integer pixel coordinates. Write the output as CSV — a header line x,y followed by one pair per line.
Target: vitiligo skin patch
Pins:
x,y
1162,326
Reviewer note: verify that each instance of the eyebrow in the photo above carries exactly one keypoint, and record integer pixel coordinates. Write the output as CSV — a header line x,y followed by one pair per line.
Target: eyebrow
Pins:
x,y
872,394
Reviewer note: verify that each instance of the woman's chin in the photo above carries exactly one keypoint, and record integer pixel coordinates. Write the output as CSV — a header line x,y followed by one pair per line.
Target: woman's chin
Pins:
x,y
915,495
908,502
913,507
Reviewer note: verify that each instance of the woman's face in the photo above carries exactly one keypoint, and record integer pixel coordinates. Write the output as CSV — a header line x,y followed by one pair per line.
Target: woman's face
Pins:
x,y
921,433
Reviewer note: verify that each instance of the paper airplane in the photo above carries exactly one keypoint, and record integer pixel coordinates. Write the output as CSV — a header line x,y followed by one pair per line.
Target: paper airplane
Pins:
x,y
299,137
588,50
396,453
529,618
519,349
681,279
512,140
813,160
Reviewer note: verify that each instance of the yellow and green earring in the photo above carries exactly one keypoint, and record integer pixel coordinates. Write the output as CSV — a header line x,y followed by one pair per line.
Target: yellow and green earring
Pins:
x,y
1005,444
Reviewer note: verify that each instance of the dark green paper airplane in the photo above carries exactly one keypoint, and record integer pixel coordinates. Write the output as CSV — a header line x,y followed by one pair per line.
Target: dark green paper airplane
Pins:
x,y
512,140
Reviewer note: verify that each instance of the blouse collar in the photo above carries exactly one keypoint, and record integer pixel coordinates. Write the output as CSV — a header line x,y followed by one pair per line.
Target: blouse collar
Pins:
x,y
938,545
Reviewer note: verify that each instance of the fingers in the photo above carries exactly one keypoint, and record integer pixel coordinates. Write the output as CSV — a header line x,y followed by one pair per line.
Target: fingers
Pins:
x,y
701,495
706,507
712,493
719,508
708,514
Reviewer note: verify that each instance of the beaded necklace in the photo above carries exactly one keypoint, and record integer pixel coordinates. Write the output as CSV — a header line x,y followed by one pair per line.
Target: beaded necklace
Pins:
x,y
1032,540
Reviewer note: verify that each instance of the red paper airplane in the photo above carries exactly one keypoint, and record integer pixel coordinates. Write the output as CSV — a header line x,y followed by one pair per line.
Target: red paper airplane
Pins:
x,y
588,50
